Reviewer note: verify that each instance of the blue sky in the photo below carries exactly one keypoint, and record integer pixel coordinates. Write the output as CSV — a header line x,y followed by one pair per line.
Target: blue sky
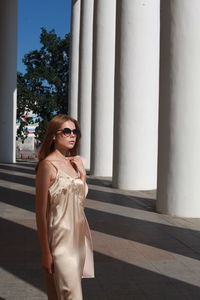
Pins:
x,y
34,14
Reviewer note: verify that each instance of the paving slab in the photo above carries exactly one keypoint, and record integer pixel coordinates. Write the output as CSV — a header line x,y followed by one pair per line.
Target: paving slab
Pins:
x,y
139,254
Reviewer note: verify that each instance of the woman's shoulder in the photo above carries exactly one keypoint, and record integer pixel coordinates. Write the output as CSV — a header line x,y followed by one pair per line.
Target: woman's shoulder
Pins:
x,y
46,165
46,172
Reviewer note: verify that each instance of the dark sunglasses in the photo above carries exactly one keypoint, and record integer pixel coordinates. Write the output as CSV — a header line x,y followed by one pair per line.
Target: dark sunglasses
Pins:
x,y
68,131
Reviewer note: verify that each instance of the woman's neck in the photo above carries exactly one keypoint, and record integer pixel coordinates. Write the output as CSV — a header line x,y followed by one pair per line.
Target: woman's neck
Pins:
x,y
60,153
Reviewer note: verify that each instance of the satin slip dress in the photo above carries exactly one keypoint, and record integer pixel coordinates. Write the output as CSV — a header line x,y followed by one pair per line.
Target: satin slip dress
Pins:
x,y
69,235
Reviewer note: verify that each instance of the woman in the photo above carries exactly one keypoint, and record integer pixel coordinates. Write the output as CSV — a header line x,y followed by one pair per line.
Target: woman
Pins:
x,y
64,233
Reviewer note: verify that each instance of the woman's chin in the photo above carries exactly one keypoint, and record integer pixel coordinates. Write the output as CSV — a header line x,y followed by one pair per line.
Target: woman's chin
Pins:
x,y
71,146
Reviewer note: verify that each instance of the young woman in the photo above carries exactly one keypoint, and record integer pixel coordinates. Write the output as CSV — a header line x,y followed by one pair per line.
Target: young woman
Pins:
x,y
64,233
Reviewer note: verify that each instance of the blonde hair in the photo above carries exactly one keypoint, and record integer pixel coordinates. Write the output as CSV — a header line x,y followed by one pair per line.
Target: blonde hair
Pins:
x,y
47,145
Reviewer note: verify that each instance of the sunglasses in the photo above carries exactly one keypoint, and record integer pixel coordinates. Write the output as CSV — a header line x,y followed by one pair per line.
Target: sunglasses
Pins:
x,y
68,131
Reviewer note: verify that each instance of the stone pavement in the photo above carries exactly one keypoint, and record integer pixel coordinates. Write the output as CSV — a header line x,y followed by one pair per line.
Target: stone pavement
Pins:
x,y
138,253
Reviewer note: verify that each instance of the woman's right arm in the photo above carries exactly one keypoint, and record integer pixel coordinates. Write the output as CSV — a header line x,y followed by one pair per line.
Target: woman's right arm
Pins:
x,y
43,180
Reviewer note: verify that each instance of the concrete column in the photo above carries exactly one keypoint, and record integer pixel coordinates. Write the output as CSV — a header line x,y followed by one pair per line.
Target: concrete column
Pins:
x,y
8,68
103,87
179,125
75,30
85,77
136,95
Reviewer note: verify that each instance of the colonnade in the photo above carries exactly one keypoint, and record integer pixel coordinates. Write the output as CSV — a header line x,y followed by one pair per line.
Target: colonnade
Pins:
x,y
116,90
117,96
138,96
135,89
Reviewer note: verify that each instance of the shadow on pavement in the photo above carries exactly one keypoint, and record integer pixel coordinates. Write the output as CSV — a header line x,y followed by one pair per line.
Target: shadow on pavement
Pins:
x,y
19,252
17,198
122,200
174,239
170,238
17,179
17,168
26,163
100,182
108,197
114,279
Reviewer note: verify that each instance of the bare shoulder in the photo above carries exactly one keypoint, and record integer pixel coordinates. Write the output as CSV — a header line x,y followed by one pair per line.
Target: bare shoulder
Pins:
x,y
45,164
46,168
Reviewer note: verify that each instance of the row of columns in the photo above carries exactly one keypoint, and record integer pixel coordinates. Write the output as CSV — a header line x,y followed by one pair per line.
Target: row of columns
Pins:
x,y
119,86
105,82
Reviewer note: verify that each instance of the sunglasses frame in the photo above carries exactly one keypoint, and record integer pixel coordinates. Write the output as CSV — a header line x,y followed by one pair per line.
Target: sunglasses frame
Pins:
x,y
70,131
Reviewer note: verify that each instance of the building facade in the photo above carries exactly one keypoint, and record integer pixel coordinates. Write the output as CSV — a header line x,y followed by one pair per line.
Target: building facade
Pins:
x,y
134,88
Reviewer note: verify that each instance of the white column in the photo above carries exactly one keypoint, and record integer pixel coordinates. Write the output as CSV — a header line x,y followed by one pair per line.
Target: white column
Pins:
x,y
179,125
136,95
8,68
103,87
85,77
75,30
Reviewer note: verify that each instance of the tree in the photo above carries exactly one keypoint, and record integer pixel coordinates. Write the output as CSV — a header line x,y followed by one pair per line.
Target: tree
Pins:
x,y
43,89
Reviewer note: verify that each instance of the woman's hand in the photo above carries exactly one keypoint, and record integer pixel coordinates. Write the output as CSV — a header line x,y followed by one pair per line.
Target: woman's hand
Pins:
x,y
79,164
47,263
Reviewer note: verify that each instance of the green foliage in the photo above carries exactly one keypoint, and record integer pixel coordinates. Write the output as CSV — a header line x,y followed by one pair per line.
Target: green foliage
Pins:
x,y
43,89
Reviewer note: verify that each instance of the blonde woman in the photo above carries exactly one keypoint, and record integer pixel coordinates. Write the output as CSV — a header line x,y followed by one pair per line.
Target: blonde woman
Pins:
x,y
64,233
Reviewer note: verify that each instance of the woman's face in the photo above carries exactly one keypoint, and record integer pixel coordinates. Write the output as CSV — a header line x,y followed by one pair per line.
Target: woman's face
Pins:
x,y
64,138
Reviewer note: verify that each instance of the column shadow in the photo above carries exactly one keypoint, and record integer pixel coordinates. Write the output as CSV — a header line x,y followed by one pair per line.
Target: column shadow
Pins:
x,y
114,279
170,238
17,168
122,200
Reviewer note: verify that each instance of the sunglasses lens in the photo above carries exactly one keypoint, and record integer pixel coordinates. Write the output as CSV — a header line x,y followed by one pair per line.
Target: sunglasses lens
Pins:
x,y
76,131
67,131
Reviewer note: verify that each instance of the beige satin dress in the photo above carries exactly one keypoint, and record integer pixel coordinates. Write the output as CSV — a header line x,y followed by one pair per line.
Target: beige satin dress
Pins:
x,y
69,235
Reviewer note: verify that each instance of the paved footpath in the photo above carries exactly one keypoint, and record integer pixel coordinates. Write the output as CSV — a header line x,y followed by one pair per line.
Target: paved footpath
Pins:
x,y
138,253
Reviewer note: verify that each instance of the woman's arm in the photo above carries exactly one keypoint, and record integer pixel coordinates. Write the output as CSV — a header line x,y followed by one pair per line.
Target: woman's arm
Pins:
x,y
43,181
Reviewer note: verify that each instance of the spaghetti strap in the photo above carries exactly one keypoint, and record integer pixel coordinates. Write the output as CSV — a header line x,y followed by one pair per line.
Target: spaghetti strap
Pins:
x,y
52,165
